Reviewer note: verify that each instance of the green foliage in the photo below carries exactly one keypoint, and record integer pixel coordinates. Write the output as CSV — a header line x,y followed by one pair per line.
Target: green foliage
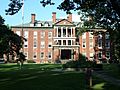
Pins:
x,y
31,61
10,42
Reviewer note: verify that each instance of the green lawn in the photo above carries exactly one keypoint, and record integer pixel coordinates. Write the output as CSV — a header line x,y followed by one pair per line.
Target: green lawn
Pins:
x,y
40,77
112,70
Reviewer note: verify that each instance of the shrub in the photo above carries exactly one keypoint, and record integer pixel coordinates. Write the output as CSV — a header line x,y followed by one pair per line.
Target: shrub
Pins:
x,y
71,64
31,61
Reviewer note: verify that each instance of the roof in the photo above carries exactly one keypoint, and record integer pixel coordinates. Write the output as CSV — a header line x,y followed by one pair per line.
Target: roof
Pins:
x,y
42,24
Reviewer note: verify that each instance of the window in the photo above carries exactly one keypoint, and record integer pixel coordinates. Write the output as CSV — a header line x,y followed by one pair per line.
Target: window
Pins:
x,y
69,42
107,36
46,24
91,42
59,42
26,34
64,42
84,35
42,44
49,55
26,44
34,55
64,32
42,34
99,42
49,34
69,32
26,54
100,36
91,34
42,55
49,44
107,44
84,55
83,43
100,55
35,34
35,43
108,55
18,33
91,56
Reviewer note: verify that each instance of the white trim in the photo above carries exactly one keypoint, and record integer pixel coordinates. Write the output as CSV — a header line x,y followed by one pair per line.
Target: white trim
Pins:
x,y
34,53
43,55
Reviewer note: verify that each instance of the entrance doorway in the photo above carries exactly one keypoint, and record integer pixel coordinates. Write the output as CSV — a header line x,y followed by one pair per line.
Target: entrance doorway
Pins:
x,y
65,54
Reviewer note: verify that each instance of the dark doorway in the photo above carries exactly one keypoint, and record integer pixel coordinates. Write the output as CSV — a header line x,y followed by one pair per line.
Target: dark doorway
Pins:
x,y
65,54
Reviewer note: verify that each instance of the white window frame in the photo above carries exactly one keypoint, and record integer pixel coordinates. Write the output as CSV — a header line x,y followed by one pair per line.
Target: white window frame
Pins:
x,y
35,34
42,34
34,41
100,41
84,35
26,54
42,44
50,43
107,54
34,53
49,34
100,56
41,55
18,33
26,44
107,44
26,34
84,43
107,35
50,53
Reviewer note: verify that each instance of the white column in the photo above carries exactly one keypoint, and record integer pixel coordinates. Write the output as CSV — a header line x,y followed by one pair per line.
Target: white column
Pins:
x,y
66,42
61,31
71,42
61,42
71,31
57,32
66,32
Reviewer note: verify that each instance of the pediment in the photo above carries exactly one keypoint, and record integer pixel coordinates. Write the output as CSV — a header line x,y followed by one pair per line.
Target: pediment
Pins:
x,y
64,22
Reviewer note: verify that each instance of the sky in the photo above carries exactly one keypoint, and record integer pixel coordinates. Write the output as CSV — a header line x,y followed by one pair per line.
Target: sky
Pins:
x,y
33,7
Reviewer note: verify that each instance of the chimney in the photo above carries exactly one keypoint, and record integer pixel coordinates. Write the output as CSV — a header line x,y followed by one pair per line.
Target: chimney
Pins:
x,y
54,17
32,18
69,18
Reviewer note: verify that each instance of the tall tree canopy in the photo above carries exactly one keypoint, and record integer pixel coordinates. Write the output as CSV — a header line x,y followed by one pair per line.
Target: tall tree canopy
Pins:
x,y
9,41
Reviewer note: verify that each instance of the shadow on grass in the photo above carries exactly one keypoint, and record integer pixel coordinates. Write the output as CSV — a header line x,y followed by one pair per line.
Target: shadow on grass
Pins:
x,y
99,84
40,80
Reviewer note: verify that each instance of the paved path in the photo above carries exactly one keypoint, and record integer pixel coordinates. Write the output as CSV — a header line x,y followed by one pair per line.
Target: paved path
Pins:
x,y
101,75
106,77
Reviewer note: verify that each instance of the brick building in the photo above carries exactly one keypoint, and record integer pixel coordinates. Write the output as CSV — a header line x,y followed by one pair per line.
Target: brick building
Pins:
x,y
56,41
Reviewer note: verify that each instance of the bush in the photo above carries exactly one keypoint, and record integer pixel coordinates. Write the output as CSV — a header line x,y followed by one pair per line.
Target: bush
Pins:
x,y
98,66
71,64
31,61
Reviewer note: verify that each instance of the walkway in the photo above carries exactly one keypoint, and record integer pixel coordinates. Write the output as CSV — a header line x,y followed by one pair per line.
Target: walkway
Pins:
x,y
106,77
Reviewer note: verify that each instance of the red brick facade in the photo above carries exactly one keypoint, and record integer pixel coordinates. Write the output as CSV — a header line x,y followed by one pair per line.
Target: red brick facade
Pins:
x,y
55,41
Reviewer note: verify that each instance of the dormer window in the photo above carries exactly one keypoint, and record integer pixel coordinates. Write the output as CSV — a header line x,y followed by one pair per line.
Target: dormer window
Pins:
x,y
46,24
39,24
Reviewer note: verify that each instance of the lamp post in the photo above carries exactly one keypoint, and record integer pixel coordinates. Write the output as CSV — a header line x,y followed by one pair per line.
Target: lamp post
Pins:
x,y
22,24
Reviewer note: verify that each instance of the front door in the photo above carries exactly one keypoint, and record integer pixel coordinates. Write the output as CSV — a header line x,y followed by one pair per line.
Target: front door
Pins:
x,y
65,54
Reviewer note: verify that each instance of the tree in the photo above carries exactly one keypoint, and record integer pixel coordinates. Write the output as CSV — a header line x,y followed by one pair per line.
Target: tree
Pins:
x,y
10,43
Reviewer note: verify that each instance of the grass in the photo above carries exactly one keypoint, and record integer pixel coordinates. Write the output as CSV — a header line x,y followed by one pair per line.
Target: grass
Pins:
x,y
40,77
99,84
112,70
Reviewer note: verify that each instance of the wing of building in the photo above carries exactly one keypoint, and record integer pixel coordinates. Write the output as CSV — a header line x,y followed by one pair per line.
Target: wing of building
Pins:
x,y
55,41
